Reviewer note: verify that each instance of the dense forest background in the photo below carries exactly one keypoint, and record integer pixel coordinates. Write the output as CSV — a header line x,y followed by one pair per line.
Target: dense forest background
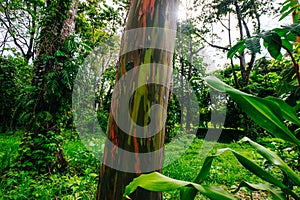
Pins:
x,y
52,52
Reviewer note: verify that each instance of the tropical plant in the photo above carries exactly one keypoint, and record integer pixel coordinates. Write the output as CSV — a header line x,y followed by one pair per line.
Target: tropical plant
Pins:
x,y
269,113
274,40
233,15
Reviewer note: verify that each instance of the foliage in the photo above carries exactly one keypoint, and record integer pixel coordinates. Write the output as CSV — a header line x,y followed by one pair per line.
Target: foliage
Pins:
x,y
38,150
289,7
173,118
287,88
287,152
269,114
274,40
260,172
8,151
266,112
19,26
160,183
96,21
264,80
248,16
15,76
79,182
81,179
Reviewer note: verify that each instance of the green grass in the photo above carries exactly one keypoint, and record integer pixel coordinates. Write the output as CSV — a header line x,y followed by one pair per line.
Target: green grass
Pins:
x,y
8,150
80,182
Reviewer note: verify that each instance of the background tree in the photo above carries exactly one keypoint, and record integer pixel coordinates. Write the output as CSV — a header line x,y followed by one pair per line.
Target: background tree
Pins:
x,y
245,15
15,76
19,27
188,63
51,87
142,14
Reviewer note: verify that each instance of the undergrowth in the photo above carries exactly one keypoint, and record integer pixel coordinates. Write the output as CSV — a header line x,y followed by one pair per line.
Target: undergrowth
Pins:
x,y
81,179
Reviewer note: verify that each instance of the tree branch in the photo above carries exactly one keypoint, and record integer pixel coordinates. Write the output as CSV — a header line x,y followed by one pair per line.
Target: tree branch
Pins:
x,y
210,44
11,32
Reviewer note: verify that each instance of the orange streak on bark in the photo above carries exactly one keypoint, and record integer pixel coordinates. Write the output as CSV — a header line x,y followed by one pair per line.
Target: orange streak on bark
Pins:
x,y
123,67
112,133
136,150
147,7
114,141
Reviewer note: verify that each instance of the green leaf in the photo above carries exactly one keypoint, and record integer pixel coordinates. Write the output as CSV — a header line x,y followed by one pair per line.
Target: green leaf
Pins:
x,y
254,168
284,15
87,47
204,170
273,158
59,53
263,112
287,44
293,28
160,183
277,195
288,4
253,44
281,32
236,48
257,170
274,43
288,112
291,36
188,193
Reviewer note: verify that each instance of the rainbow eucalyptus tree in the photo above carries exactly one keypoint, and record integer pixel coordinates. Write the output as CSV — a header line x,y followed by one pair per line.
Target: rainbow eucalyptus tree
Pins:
x,y
135,136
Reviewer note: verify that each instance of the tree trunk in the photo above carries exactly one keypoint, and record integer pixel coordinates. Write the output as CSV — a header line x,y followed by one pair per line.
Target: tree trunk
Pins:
x,y
135,139
242,54
40,148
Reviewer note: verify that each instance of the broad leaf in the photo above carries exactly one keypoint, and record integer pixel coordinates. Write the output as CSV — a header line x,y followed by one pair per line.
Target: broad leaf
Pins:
x,y
204,170
287,44
263,112
293,28
253,44
250,165
258,171
274,159
284,15
274,43
160,183
287,4
281,32
236,48
291,36
288,112
255,169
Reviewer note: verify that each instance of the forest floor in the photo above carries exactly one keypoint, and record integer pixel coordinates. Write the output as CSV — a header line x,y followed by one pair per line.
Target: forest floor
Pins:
x,y
80,182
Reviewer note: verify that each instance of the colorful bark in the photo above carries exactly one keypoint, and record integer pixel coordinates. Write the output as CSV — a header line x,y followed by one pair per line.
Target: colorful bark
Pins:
x,y
137,53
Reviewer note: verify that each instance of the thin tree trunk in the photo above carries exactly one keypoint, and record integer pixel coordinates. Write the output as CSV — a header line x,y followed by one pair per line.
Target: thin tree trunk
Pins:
x,y
242,54
126,154
236,83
